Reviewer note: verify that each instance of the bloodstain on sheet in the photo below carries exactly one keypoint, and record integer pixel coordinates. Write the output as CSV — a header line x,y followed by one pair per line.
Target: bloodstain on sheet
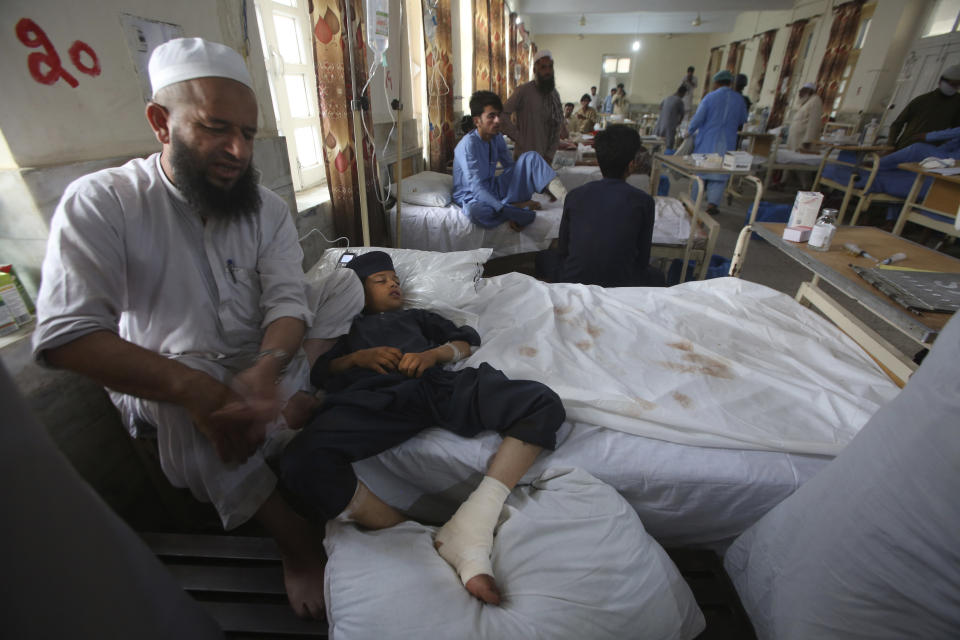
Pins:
x,y
696,363
527,351
682,399
594,330
638,407
562,311
583,345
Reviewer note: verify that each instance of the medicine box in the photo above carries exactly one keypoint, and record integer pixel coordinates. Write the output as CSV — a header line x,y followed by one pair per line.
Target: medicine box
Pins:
x,y
806,207
797,234
737,160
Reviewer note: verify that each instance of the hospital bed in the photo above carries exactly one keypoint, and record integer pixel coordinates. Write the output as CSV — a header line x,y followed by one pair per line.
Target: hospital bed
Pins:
x,y
683,399
780,158
855,171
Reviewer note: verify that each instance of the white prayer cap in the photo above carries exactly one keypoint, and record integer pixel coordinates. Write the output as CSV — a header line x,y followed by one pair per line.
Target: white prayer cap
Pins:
x,y
188,58
809,85
951,73
543,53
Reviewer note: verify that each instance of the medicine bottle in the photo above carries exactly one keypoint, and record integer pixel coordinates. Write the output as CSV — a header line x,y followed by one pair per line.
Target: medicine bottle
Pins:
x,y
823,230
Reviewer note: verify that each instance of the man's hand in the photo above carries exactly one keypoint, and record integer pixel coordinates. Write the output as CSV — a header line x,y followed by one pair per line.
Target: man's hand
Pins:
x,y
527,204
413,365
379,359
233,428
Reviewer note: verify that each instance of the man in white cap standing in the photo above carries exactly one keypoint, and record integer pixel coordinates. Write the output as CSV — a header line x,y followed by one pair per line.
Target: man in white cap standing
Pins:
x,y
933,111
806,125
175,281
535,106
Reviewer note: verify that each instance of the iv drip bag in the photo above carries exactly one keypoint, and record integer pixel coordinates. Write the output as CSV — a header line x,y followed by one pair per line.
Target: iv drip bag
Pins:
x,y
378,27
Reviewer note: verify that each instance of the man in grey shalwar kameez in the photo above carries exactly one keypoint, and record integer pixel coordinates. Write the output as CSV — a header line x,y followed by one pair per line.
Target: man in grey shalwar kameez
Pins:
x,y
536,106
671,113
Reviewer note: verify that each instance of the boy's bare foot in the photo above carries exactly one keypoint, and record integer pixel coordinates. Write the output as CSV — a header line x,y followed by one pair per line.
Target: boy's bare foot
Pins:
x,y
513,225
482,587
303,580
299,409
533,205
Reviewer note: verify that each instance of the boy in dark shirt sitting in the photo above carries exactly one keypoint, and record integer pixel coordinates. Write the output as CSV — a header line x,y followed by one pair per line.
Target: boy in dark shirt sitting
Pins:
x,y
385,384
607,225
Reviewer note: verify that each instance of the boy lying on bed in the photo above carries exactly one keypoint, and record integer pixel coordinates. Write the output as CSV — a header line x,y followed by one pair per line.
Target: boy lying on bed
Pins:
x,y
487,198
384,385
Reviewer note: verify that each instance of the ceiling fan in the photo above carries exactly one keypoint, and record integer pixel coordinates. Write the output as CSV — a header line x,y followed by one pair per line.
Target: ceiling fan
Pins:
x,y
696,22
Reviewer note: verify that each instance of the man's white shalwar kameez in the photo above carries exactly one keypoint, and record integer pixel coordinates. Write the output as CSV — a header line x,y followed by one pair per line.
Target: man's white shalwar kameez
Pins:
x,y
128,254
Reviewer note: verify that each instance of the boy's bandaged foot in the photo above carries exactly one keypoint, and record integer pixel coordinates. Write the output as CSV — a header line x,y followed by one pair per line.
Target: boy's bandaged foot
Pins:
x,y
467,538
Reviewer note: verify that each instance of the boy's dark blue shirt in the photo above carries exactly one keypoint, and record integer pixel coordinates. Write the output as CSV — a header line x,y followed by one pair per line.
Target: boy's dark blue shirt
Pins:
x,y
410,330
605,234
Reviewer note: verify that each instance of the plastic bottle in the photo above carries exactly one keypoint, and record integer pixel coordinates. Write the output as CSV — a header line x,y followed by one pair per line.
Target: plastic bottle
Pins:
x,y
870,132
378,27
823,230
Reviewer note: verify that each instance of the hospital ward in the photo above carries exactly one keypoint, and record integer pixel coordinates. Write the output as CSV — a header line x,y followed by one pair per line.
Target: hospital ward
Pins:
x,y
480,319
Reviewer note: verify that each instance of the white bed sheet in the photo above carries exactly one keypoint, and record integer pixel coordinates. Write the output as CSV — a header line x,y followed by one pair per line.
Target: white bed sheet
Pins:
x,y
684,495
718,363
788,156
449,229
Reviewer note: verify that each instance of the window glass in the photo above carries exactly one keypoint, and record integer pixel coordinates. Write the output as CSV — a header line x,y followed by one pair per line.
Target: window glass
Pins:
x,y
308,146
610,65
623,65
297,95
288,38
943,18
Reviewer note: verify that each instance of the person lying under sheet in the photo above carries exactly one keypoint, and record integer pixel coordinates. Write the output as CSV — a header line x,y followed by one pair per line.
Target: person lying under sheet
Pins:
x,y
607,225
385,384
933,144
487,198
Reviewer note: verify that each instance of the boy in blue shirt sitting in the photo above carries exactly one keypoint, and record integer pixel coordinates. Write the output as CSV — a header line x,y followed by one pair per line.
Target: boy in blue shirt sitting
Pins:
x,y
607,225
385,384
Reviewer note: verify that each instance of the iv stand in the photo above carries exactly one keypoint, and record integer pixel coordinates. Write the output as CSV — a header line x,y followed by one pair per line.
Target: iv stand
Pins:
x,y
356,109
398,104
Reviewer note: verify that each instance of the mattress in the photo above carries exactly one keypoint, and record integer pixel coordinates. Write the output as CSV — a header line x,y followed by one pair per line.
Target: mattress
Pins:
x,y
685,495
449,229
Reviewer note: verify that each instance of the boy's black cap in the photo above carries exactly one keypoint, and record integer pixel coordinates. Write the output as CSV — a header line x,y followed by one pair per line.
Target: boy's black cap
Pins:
x,y
367,264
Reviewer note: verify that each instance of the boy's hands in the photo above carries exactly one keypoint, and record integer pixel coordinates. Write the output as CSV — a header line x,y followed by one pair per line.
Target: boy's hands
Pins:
x,y
379,359
414,364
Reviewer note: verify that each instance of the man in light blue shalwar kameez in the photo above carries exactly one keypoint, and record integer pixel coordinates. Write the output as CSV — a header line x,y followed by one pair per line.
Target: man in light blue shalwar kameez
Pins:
x,y
715,124
489,199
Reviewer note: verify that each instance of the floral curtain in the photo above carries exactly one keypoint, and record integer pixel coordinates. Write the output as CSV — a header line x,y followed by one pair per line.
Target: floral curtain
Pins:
x,y
735,56
713,65
514,55
335,90
782,96
482,63
498,49
439,67
523,58
766,47
843,34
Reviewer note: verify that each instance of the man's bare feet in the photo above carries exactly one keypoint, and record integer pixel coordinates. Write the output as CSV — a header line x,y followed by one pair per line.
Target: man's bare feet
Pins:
x,y
299,409
513,225
533,205
303,580
482,587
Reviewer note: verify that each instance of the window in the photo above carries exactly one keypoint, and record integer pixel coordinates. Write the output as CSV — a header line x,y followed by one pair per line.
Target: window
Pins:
x,y
614,65
943,18
285,35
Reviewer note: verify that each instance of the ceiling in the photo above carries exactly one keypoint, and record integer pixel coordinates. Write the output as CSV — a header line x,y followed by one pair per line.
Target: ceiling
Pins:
x,y
636,16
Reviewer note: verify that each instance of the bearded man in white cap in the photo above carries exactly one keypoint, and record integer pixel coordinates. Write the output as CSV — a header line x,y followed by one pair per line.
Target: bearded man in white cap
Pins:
x,y
933,111
806,125
537,123
176,282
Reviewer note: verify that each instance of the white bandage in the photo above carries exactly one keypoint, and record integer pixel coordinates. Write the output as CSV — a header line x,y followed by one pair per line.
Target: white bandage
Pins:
x,y
467,538
457,356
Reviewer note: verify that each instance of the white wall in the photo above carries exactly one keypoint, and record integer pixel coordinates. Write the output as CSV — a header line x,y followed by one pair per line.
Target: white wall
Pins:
x,y
103,116
655,70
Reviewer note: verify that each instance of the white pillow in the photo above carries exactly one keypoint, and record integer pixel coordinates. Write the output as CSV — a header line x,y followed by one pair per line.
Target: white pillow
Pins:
x,y
427,188
869,547
430,279
571,558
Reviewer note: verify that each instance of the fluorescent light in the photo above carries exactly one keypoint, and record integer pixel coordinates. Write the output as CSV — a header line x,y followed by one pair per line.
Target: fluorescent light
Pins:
x,y
636,45
519,21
